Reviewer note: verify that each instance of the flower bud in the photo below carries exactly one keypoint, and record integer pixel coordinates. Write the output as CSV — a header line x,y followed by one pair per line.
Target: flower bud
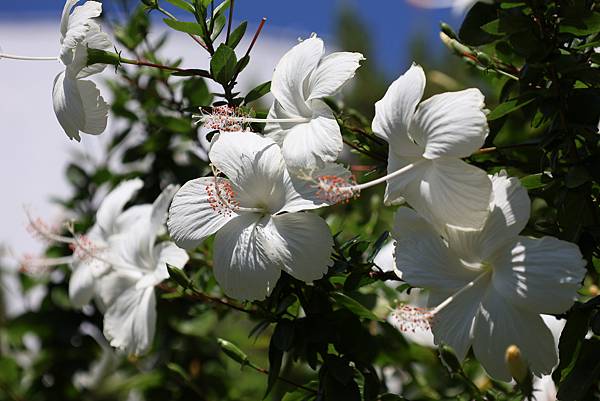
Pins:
x,y
449,359
516,365
448,30
232,351
151,3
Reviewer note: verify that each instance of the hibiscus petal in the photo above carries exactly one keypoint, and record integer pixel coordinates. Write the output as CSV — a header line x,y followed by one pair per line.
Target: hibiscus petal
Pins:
x,y
508,217
75,26
68,105
332,73
451,124
254,164
540,275
319,140
81,284
396,187
192,216
112,205
422,258
452,192
454,323
95,108
394,112
499,325
130,322
287,84
244,266
291,235
168,253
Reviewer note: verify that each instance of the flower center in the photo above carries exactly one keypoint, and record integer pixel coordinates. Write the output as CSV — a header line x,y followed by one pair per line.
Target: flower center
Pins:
x,y
232,119
222,197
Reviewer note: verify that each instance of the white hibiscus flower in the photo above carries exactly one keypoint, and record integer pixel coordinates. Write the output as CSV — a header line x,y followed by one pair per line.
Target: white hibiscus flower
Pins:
x,y
110,220
458,7
427,142
254,214
301,123
490,285
78,104
138,265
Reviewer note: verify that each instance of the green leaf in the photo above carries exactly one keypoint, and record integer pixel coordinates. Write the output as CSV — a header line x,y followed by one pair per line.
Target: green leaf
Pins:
x,y
173,367
258,92
581,26
569,345
237,35
470,32
223,64
508,107
196,92
193,28
584,375
353,306
536,181
218,25
184,5
275,359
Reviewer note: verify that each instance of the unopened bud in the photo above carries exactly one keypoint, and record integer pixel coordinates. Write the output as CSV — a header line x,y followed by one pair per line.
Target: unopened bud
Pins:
x,y
151,3
516,365
448,30
484,59
449,359
232,351
593,290
455,45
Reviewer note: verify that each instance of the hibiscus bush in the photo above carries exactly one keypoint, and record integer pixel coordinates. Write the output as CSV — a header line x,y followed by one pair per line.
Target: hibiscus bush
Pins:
x,y
434,237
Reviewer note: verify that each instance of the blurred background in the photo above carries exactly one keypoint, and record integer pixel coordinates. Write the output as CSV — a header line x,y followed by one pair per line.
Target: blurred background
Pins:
x,y
34,150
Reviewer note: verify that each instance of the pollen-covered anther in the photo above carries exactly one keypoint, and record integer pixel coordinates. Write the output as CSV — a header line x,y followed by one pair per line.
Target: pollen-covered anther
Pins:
x,y
83,248
225,118
222,197
40,230
334,189
411,318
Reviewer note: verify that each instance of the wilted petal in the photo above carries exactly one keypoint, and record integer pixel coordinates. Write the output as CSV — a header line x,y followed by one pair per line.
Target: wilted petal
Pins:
x,y
130,322
244,265
394,112
452,192
287,84
332,73
499,325
113,204
422,258
192,215
539,275
316,141
303,244
450,124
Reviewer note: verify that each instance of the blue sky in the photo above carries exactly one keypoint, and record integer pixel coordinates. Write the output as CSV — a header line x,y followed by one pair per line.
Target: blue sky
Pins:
x,y
392,23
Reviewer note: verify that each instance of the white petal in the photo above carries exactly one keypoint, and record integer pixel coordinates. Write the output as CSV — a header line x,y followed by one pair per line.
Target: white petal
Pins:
x,y
113,203
398,186
303,243
508,216
500,325
332,73
243,264
394,112
64,21
454,323
278,131
254,164
132,215
81,284
68,106
168,252
130,322
306,145
540,275
302,191
452,192
192,217
422,258
77,26
95,39
287,85
450,124
95,108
